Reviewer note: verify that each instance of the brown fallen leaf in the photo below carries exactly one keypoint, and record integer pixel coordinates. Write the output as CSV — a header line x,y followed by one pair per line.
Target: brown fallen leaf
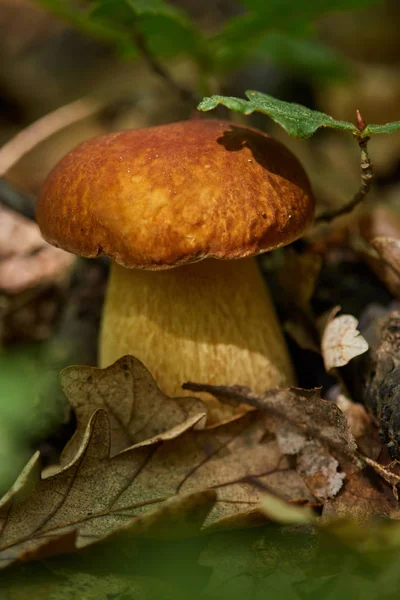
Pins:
x,y
341,340
364,496
304,410
137,409
170,487
306,427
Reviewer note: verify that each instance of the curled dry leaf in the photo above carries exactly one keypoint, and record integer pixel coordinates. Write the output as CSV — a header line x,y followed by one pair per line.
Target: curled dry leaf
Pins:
x,y
376,238
138,410
200,478
362,426
357,417
387,268
341,341
26,260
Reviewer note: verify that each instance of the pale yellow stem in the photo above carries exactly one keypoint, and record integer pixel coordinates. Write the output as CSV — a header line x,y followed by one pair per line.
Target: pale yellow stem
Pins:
x,y
208,322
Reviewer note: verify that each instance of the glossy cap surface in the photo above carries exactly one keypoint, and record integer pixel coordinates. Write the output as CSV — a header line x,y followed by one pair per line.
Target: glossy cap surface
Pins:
x,y
160,197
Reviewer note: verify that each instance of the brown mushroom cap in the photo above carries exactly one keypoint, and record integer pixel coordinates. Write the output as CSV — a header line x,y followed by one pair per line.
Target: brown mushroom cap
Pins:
x,y
160,197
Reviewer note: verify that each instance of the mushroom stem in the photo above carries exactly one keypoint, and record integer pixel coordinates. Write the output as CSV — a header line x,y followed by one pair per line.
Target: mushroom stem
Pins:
x,y
211,322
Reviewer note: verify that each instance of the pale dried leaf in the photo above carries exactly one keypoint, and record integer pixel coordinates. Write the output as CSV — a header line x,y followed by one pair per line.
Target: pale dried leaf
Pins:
x,y
319,470
341,341
138,410
159,488
316,466
290,439
18,235
26,260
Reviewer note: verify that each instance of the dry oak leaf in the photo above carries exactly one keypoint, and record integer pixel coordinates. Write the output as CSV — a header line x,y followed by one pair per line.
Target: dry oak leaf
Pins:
x,y
138,410
200,478
341,340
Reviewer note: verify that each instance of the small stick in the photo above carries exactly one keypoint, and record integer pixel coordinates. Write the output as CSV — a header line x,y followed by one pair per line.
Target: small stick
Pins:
x,y
43,128
36,133
185,93
367,176
244,395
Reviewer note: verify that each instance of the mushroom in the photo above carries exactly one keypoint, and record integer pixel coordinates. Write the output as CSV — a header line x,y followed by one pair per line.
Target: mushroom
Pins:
x,y
182,209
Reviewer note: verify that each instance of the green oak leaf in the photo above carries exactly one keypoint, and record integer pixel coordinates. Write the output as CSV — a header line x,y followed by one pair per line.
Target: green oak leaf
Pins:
x,y
299,121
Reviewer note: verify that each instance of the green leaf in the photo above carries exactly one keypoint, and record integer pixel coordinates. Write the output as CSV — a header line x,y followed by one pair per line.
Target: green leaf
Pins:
x,y
240,34
124,11
299,121
156,7
308,57
102,29
386,128
308,9
166,29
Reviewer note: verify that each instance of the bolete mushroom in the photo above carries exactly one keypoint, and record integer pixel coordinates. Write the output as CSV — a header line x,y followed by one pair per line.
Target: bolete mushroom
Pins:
x,y
182,209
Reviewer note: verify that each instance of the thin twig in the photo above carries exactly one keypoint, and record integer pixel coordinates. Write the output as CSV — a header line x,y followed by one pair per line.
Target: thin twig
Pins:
x,y
43,128
367,177
39,131
185,93
240,394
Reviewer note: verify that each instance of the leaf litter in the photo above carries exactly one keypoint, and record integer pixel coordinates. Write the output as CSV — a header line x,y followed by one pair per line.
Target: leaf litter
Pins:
x,y
168,475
